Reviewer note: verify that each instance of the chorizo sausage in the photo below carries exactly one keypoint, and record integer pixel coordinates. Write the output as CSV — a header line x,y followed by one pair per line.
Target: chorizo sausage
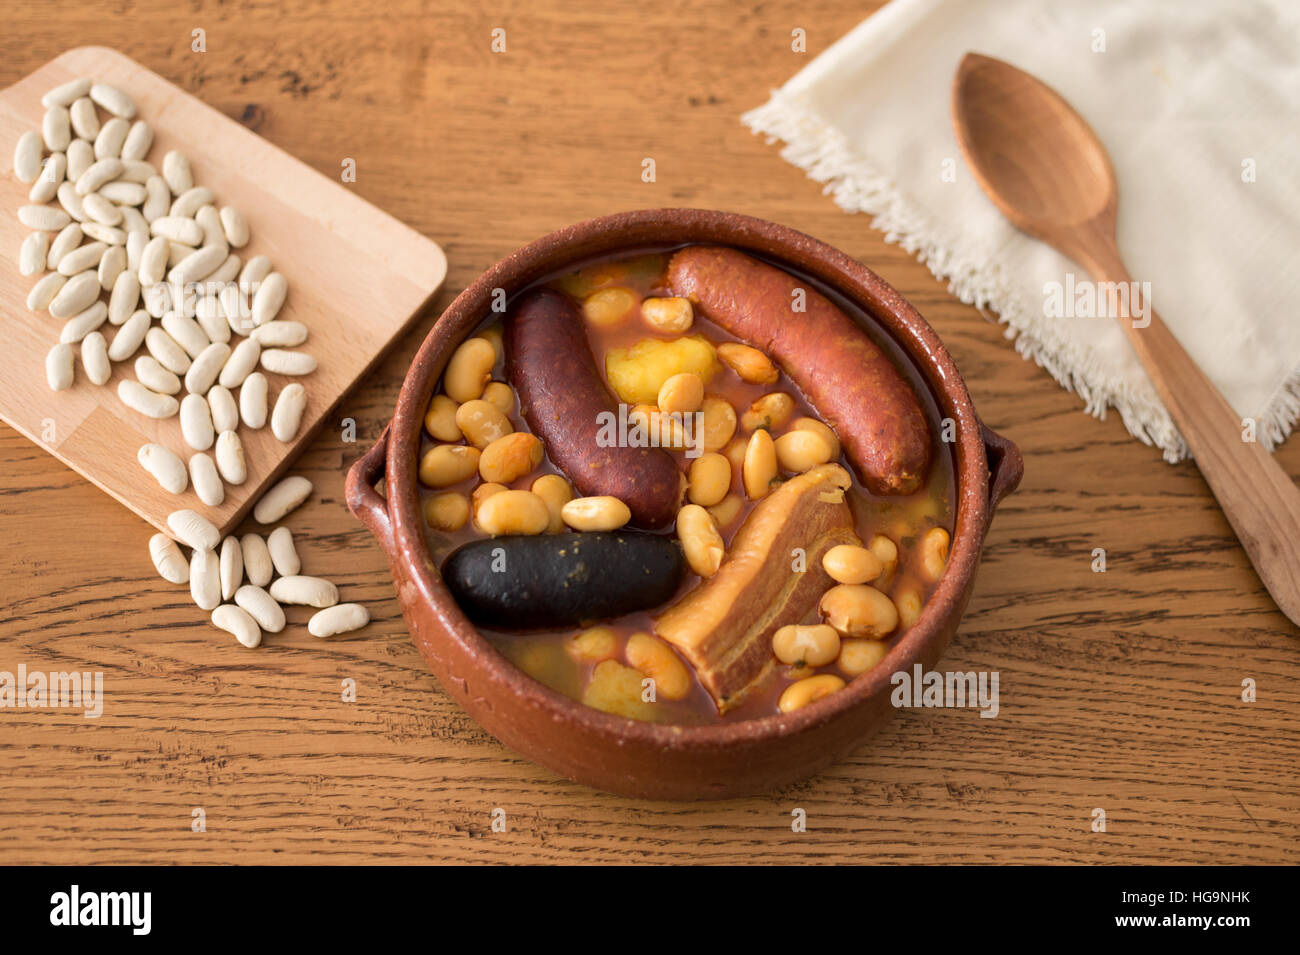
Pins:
x,y
845,376
562,397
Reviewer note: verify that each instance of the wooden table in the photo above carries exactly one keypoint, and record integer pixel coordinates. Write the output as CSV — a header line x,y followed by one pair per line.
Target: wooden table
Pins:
x,y
1119,691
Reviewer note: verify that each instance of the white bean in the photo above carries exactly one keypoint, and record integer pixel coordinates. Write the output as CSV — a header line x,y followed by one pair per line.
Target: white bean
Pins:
x,y
230,458
169,354
83,258
213,233
68,239
252,400
177,229
83,323
65,93
137,171
207,312
226,271
269,298
124,298
282,499
138,140
101,210
341,618
237,622
58,367
190,201
186,332
168,559
153,261
157,299
176,170
32,254
123,193
113,99
165,466
193,529
84,119
196,422
133,221
283,362
308,591
204,477
225,413
232,567
70,199
286,418
56,128
27,157
44,218
81,155
236,229
111,267
45,291
261,606
94,358
109,235
130,336
199,264
283,554
241,363
139,398
108,143
158,198
256,269
205,578
154,376
101,171
76,296
280,334
257,560
54,169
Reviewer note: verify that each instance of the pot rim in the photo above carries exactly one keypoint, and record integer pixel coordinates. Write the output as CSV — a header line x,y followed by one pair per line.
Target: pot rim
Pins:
x,y
858,283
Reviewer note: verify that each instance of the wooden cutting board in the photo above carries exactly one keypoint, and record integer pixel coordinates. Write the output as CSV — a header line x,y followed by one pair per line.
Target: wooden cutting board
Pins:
x,y
357,279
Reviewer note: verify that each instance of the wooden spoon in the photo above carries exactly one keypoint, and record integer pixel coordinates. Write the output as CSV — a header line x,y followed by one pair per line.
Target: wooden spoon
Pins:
x,y
1044,167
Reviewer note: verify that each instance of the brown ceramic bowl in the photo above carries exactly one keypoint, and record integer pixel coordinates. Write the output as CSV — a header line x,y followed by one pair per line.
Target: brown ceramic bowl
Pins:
x,y
611,752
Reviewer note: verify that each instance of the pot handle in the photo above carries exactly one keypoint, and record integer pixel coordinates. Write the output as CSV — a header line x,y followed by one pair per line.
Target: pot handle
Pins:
x,y
365,503
1006,466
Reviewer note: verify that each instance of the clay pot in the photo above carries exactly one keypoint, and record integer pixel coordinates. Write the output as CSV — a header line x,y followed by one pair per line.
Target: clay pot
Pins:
x,y
647,759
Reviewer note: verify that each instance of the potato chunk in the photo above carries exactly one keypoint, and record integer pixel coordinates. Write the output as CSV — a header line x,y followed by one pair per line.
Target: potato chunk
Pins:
x,y
636,374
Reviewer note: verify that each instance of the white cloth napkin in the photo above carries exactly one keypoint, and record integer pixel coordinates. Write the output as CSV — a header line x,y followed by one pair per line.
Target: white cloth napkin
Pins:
x,y
1198,104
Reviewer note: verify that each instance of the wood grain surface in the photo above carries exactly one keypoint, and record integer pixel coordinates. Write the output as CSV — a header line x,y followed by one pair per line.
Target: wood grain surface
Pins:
x,y
1119,690
376,268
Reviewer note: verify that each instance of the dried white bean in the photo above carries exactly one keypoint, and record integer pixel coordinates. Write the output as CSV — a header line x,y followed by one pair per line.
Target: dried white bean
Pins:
x,y
44,218
283,554
204,477
32,254
68,239
225,413
65,93
76,296
94,358
84,119
138,141
241,364
205,578
199,264
226,271
130,336
236,228
282,362
58,367
158,198
132,220
54,169
81,156
234,305
56,128
108,143
123,193
124,298
261,606
169,354
176,170
282,499
135,245
27,157
168,559
258,268
207,312
257,560
341,618
286,417
305,591
165,466
83,323
177,229
213,233
113,100
230,458
139,398
190,201
112,267
281,334
232,568
252,400
157,298
102,170
154,376
237,622
153,261
207,363
196,422
269,298
101,210
186,332
193,529
177,251
71,202
109,235
45,291
82,258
